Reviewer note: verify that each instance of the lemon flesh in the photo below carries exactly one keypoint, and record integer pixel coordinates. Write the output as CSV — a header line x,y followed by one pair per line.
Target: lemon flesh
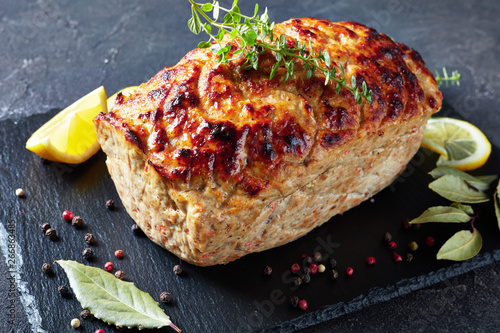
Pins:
x,y
461,145
69,137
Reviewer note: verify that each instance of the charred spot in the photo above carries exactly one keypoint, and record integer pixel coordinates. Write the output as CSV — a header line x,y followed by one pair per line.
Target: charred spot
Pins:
x,y
132,137
291,137
160,139
395,107
145,115
119,98
330,139
337,118
432,102
158,94
267,150
259,142
184,152
179,173
372,33
335,139
157,115
184,99
223,131
387,51
168,74
415,55
297,21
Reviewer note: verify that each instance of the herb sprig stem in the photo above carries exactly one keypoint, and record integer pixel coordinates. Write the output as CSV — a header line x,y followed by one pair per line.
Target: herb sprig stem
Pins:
x,y
254,36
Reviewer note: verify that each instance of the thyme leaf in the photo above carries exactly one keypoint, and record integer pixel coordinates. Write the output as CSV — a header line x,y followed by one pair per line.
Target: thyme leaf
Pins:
x,y
253,35
454,78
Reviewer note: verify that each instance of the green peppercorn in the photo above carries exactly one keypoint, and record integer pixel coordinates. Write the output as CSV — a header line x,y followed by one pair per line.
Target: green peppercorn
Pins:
x,y
413,246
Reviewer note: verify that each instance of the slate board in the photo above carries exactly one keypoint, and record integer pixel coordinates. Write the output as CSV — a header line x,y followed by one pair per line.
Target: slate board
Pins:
x,y
234,297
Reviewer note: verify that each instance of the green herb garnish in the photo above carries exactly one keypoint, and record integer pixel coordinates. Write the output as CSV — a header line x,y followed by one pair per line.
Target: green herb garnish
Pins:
x,y
454,78
253,35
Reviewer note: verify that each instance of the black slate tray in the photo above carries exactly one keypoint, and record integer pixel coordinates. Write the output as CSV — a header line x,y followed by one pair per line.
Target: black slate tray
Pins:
x,y
237,297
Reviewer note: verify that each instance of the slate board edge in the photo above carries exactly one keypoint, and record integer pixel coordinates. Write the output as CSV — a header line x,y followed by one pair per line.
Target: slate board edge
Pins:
x,y
379,295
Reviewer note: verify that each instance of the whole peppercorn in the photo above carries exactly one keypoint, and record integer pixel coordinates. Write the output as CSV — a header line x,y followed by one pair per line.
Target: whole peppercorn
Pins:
x,y
306,270
303,304
86,315
413,246
306,278
120,275
20,192
108,266
396,257
75,322
178,269
370,261
317,256
119,254
392,245
63,290
295,268
45,226
294,301
136,230
165,297
349,271
77,221
333,263
110,204
99,331
321,268
406,223
51,233
333,274
87,253
89,238
313,268
67,215
297,281
409,257
307,261
387,237
429,241
46,268
120,329
268,270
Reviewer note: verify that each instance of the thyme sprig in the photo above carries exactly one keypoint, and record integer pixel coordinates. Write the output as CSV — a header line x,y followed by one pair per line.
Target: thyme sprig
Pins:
x,y
253,35
454,78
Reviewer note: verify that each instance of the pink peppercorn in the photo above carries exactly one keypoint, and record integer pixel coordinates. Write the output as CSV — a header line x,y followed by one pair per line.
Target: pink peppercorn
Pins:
x,y
99,331
295,268
396,257
429,241
67,215
119,254
370,261
313,268
392,245
108,266
303,304
349,271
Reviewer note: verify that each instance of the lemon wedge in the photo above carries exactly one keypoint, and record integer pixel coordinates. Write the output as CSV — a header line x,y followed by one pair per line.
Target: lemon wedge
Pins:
x,y
69,137
461,145
125,91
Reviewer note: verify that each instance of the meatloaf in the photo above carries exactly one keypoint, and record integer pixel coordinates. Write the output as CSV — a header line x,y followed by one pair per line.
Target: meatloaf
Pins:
x,y
214,162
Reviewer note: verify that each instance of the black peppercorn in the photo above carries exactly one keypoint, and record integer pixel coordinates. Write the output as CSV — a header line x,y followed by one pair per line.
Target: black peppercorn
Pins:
x,y
317,256
87,253
409,257
46,268
120,329
85,314
387,237
45,227
63,290
120,275
294,301
334,274
297,281
136,230
51,233
306,270
110,204
165,297
333,263
89,238
406,223
306,278
77,221
268,270
307,261
178,269
416,227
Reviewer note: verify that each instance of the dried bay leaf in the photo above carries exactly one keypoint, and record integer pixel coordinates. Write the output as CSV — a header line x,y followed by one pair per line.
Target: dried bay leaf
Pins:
x,y
482,183
442,214
456,189
466,208
112,300
496,199
461,246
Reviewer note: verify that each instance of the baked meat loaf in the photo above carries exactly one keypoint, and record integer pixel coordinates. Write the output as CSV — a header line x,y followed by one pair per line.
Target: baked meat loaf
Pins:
x,y
214,162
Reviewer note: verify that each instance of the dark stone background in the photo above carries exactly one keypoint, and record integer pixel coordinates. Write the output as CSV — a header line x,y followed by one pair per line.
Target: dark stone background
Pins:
x,y
54,51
